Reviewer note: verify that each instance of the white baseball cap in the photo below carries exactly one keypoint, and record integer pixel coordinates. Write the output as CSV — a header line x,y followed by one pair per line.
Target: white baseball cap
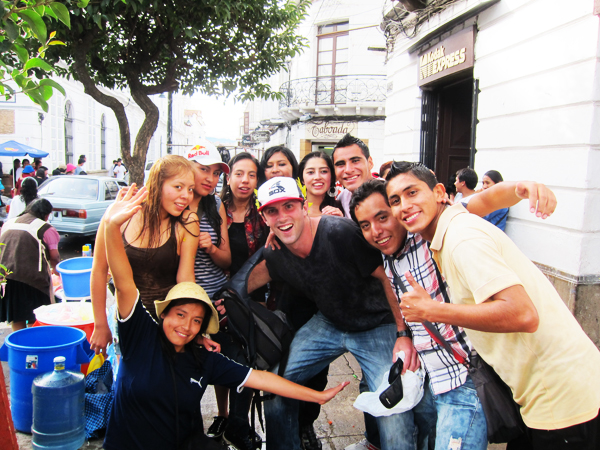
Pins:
x,y
278,189
206,154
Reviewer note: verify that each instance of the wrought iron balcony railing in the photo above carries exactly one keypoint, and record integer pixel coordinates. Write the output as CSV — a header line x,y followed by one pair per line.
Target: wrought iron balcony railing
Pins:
x,y
333,90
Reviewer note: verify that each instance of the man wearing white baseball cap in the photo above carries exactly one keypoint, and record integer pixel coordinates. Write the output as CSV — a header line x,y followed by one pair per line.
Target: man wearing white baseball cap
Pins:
x,y
327,259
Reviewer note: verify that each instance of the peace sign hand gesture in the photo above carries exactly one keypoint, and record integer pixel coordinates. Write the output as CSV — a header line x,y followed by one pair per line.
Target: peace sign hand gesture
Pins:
x,y
417,303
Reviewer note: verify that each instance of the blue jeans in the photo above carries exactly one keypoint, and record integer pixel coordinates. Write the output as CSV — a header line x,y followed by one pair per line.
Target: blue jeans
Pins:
x,y
461,421
317,344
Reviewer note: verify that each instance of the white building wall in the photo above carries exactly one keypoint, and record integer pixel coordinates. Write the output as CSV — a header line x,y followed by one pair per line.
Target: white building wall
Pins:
x,y
49,136
363,27
537,65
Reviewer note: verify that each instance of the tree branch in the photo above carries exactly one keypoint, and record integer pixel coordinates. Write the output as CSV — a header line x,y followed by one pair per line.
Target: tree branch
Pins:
x,y
80,50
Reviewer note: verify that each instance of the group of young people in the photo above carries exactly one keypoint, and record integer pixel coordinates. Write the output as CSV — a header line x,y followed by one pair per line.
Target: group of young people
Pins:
x,y
172,244
182,233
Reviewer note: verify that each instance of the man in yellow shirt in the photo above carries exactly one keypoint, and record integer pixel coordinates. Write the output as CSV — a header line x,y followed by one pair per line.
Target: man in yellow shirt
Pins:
x,y
513,316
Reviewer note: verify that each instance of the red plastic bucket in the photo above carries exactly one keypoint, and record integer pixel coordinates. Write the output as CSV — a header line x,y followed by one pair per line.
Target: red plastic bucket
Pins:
x,y
78,315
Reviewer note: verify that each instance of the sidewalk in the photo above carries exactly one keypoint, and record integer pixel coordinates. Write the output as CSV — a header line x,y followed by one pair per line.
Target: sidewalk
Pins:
x,y
338,425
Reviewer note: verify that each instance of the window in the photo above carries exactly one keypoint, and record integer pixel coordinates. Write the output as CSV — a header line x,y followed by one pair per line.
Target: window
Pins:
x,y
103,142
110,190
68,132
332,63
70,186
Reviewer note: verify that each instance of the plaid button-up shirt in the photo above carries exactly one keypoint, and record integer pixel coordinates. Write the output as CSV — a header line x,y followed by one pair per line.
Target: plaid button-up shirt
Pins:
x,y
445,372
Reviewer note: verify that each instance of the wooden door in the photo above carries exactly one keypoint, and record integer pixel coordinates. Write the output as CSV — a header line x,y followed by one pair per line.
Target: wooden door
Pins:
x,y
454,128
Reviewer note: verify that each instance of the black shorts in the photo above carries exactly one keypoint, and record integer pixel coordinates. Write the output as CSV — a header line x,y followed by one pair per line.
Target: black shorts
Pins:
x,y
19,301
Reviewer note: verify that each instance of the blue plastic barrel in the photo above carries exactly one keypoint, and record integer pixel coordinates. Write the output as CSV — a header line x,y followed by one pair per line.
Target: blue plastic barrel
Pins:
x,y
75,274
58,409
30,352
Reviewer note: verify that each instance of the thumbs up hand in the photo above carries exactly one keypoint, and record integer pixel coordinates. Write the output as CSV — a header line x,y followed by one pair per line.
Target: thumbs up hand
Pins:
x,y
416,303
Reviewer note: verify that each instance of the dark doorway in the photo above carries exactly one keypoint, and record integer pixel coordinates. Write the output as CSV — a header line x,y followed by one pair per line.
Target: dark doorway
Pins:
x,y
454,128
447,126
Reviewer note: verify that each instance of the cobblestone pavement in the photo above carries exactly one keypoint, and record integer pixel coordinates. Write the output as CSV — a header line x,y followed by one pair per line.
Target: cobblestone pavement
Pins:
x,y
338,425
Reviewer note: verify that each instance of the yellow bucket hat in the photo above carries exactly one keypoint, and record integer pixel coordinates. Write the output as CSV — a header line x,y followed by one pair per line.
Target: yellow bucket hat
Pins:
x,y
187,289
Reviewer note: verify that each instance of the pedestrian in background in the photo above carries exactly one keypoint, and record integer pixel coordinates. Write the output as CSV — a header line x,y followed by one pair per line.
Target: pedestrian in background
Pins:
x,y
21,201
41,175
30,261
26,173
80,162
498,218
16,171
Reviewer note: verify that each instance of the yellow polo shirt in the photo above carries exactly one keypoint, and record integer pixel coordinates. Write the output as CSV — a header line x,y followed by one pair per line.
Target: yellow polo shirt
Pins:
x,y
554,373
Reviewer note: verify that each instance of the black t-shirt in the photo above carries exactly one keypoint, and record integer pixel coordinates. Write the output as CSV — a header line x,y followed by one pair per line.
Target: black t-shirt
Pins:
x,y
143,410
336,275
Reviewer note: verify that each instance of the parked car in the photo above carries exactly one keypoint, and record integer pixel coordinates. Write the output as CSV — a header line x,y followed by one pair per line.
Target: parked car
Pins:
x,y
149,165
78,202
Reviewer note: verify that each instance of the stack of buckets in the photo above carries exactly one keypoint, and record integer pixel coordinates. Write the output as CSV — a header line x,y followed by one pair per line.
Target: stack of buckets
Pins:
x,y
30,352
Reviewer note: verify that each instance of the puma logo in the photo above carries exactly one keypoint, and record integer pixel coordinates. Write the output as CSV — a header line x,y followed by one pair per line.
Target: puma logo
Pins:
x,y
198,382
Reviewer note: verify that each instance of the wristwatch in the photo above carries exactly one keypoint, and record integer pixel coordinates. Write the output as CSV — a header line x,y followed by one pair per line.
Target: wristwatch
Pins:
x,y
404,333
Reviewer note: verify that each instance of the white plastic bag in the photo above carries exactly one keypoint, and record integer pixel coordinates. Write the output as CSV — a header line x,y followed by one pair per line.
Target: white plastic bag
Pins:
x,y
412,386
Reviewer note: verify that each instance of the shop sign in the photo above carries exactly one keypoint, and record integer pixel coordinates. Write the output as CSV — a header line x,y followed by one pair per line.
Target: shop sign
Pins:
x,y
329,129
451,55
261,136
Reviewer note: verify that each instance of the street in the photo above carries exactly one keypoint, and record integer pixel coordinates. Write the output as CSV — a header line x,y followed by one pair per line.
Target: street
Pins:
x,y
70,246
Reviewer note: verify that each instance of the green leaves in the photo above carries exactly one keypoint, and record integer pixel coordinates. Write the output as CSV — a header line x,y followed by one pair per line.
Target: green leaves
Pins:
x,y
37,62
53,84
23,58
35,22
62,13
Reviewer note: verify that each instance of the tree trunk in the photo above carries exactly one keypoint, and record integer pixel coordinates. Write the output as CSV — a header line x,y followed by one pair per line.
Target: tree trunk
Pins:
x,y
142,139
80,51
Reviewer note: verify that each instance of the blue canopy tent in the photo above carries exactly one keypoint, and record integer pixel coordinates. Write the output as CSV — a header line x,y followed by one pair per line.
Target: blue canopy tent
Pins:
x,y
14,149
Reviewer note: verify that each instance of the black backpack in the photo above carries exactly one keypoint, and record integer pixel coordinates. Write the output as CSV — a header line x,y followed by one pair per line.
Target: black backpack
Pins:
x,y
265,335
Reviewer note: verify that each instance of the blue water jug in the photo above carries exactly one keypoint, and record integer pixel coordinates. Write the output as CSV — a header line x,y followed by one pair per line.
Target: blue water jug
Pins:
x,y
58,409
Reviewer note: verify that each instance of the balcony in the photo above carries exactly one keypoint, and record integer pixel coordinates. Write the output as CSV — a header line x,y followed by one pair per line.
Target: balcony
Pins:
x,y
340,95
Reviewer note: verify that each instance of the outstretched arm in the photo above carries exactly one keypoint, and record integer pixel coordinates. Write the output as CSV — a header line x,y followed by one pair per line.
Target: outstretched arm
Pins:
x,y
542,201
124,208
267,381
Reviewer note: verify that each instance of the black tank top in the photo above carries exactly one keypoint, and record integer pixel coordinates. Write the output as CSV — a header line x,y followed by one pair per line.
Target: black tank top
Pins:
x,y
154,269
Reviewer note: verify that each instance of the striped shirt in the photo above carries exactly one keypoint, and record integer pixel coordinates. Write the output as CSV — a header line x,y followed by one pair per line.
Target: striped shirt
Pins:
x,y
208,275
445,372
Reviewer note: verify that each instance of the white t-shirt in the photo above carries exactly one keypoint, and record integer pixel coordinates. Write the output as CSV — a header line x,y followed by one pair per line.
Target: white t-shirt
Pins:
x,y
119,172
17,206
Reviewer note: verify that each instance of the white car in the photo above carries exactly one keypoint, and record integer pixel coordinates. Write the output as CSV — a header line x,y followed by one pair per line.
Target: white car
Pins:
x,y
149,165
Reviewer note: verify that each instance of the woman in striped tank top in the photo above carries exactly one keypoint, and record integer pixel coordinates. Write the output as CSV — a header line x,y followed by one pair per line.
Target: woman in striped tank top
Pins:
x,y
213,256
